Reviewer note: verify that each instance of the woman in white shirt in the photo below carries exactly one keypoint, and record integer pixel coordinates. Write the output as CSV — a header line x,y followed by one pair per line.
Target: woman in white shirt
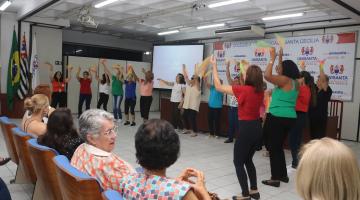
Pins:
x,y
176,100
104,88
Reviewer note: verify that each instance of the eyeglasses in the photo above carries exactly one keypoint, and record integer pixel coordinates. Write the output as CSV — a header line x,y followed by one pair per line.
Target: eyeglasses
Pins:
x,y
111,130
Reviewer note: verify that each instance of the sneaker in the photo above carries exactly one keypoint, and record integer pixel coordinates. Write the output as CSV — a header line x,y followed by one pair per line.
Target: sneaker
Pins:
x,y
228,141
186,132
193,135
211,136
126,123
132,124
119,121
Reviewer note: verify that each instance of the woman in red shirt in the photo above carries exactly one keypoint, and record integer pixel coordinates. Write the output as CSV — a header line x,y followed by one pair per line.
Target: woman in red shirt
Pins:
x,y
58,83
250,97
85,90
306,96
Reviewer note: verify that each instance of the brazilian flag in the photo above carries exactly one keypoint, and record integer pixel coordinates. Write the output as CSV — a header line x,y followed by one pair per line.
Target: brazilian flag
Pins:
x,y
13,78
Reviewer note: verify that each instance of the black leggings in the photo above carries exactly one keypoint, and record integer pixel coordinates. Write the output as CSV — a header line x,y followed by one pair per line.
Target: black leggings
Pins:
x,y
248,140
103,100
190,119
317,127
276,129
214,120
145,104
58,98
176,118
130,104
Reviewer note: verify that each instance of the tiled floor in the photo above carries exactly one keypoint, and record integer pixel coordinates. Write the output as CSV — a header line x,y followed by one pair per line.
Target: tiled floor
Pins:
x,y
209,155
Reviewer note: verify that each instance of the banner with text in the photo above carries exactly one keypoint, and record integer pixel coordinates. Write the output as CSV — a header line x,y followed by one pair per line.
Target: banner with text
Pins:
x,y
338,50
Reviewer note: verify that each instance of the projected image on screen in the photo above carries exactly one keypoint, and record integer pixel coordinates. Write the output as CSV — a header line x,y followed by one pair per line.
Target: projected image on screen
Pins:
x,y
168,60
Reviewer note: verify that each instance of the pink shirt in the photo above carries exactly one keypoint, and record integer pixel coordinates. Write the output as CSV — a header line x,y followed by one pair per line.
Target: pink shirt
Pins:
x,y
146,89
106,167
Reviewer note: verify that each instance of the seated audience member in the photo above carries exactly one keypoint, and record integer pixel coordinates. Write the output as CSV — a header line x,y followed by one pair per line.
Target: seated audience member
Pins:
x,y
3,161
45,90
61,133
328,170
157,148
95,156
37,107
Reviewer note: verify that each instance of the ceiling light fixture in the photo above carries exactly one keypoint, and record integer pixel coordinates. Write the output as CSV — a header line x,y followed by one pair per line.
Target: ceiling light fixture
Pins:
x,y
104,3
225,3
168,32
282,16
4,5
211,26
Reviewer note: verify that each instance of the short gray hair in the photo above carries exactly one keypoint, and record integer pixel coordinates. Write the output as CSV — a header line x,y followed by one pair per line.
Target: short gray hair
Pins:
x,y
90,122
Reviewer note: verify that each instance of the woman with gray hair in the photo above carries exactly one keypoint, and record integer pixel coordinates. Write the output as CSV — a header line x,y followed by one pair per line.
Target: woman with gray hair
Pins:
x,y
95,156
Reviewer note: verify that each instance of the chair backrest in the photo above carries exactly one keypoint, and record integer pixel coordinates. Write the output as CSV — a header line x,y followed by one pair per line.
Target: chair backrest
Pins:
x,y
6,127
112,195
74,183
44,166
20,140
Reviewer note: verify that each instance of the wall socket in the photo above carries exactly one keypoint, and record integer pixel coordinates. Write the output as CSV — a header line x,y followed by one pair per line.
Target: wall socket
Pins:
x,y
58,62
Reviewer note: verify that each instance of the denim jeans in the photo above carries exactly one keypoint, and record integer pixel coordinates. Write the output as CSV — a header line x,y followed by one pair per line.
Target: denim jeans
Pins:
x,y
116,106
295,136
233,121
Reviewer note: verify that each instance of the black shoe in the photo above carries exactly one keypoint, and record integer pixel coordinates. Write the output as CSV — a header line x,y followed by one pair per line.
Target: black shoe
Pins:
x,y
132,124
284,179
273,183
228,141
255,195
126,123
4,161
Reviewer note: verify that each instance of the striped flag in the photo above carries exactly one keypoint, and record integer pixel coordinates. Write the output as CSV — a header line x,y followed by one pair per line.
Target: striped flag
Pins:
x,y
34,65
24,81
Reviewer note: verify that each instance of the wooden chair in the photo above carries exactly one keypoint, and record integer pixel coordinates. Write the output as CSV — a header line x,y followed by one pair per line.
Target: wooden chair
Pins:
x,y
6,127
47,185
25,172
74,183
112,195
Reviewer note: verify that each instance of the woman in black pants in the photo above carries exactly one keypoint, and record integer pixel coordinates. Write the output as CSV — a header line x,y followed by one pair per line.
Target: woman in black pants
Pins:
x,y
146,89
250,97
104,88
58,96
282,115
176,100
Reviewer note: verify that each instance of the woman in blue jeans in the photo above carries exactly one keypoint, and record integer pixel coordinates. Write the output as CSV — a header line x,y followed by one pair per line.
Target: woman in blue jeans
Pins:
x,y
117,91
233,105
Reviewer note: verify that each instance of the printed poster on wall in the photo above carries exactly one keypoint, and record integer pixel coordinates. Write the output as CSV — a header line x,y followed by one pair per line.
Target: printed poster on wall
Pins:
x,y
337,49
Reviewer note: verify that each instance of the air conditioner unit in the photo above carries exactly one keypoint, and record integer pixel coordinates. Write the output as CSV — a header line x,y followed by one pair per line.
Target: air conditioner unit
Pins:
x,y
251,31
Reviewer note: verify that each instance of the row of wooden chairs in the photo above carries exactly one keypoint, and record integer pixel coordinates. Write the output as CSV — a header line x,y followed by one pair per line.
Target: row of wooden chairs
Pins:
x,y
51,173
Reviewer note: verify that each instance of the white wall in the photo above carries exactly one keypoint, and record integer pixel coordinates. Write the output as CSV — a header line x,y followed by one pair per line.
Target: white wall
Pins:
x,y
351,108
49,49
105,40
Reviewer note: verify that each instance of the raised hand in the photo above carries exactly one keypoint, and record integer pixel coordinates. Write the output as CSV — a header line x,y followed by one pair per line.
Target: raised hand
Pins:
x,y
272,54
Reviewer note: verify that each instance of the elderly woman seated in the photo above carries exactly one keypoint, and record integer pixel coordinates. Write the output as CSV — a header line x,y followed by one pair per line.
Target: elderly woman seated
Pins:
x,y
157,148
38,107
95,156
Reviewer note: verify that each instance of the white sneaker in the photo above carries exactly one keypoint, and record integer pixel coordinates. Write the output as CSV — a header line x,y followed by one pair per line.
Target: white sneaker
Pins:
x,y
119,121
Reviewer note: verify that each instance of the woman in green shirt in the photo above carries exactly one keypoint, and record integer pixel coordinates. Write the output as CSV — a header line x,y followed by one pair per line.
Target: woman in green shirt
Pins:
x,y
282,114
117,91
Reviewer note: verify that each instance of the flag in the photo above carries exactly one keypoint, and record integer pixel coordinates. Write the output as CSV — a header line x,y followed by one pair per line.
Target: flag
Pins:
x,y
13,78
24,82
34,65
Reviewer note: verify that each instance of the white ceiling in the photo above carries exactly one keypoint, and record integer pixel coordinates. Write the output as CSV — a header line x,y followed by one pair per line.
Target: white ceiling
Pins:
x,y
143,19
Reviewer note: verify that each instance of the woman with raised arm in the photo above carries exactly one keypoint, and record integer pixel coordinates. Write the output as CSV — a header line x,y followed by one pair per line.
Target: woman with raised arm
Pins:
x,y
176,100
58,83
85,90
233,105
191,103
104,87
130,96
250,97
282,115
215,106
306,98
117,81
318,113
146,90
